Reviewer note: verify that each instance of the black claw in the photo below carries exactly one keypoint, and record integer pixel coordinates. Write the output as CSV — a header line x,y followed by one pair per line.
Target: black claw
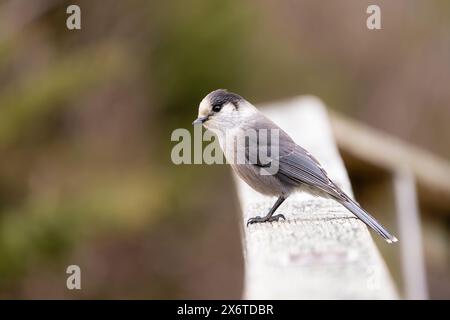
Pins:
x,y
258,219
277,217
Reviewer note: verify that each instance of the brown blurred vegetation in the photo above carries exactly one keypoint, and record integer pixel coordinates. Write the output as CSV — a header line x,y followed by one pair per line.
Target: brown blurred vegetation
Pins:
x,y
86,117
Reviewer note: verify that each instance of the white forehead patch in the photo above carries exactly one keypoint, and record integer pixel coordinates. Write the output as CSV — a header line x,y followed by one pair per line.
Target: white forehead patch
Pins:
x,y
204,108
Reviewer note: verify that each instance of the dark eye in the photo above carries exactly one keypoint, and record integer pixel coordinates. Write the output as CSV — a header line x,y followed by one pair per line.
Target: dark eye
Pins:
x,y
216,108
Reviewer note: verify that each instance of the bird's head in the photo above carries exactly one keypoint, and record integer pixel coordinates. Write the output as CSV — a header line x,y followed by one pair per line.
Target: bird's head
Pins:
x,y
222,110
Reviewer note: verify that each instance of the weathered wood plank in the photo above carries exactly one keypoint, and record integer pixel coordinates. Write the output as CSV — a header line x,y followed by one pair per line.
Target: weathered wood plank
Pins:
x,y
321,251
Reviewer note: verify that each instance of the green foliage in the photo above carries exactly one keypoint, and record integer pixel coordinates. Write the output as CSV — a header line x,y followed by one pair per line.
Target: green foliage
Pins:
x,y
27,105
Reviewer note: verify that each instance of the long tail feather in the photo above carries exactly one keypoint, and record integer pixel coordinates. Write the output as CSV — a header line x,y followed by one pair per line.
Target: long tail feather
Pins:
x,y
365,217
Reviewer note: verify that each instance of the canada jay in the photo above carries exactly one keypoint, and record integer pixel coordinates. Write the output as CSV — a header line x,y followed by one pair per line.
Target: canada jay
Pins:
x,y
231,117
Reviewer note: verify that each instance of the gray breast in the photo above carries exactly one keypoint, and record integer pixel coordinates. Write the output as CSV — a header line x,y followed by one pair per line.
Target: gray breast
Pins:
x,y
265,184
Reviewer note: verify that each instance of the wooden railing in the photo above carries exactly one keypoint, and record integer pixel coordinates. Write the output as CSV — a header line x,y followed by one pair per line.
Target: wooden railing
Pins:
x,y
321,251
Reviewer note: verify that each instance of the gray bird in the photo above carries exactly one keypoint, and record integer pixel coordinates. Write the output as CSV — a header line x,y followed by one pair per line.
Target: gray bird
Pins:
x,y
230,117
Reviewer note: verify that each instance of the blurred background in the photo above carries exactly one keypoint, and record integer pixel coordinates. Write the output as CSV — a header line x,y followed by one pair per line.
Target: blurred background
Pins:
x,y
86,117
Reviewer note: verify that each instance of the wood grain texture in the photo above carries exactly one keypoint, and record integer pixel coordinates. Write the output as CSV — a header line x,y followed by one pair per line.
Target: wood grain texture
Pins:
x,y
322,251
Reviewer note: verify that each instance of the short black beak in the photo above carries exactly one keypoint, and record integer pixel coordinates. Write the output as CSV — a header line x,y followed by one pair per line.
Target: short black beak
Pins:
x,y
200,120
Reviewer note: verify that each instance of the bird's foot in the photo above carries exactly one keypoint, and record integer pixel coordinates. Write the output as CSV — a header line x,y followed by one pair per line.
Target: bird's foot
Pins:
x,y
265,219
